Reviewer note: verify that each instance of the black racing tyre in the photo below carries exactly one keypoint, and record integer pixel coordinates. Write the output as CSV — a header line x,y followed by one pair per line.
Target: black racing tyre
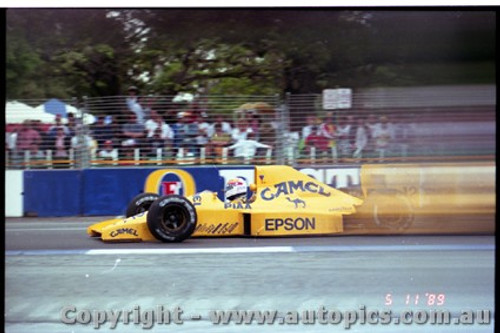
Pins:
x,y
172,218
393,211
141,203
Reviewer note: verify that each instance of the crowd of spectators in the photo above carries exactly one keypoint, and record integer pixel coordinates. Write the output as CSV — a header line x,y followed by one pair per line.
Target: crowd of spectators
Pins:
x,y
349,137
141,127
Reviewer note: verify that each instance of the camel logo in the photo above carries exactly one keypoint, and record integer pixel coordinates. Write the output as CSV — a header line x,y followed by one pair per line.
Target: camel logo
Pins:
x,y
297,202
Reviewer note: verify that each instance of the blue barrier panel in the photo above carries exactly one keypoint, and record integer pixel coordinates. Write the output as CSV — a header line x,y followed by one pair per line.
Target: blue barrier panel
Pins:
x,y
108,191
52,193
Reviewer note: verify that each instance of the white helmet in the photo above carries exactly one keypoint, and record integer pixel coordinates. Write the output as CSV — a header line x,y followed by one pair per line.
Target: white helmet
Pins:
x,y
235,188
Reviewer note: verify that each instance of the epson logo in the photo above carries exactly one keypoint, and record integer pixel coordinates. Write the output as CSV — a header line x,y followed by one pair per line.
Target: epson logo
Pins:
x,y
300,223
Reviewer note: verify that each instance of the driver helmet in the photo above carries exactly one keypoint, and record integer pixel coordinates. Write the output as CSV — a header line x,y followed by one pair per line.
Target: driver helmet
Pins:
x,y
235,188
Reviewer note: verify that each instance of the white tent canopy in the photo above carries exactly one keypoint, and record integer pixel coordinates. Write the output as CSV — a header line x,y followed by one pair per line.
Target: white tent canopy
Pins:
x,y
87,117
17,112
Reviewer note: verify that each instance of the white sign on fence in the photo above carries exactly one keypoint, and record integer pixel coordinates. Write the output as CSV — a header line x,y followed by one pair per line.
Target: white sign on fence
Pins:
x,y
337,98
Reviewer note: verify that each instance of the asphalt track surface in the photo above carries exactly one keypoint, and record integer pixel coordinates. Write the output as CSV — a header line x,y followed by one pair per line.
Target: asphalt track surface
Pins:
x,y
52,263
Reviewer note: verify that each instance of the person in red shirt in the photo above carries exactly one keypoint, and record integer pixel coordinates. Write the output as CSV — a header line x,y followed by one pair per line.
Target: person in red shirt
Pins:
x,y
28,139
317,140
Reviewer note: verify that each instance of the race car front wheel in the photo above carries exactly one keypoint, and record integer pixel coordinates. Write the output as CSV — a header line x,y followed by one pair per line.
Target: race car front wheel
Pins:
x,y
172,218
140,203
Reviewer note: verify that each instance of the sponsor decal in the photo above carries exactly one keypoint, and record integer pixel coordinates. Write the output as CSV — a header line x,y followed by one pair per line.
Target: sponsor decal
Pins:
x,y
291,187
288,224
197,200
171,187
128,231
170,181
237,205
297,202
340,209
221,228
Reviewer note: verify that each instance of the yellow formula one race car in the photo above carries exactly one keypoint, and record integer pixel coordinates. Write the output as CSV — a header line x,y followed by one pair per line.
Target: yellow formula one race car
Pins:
x,y
286,203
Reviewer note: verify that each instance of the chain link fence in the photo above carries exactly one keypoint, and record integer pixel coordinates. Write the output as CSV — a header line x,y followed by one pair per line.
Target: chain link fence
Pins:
x,y
442,123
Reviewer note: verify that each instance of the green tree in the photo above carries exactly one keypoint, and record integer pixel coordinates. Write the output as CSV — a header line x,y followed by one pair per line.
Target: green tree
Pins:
x,y
98,52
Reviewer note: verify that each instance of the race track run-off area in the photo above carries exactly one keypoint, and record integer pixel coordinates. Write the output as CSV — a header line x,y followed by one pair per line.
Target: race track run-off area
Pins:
x,y
60,280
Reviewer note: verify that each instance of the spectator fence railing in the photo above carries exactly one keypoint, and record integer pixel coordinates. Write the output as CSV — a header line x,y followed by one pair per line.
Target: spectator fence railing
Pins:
x,y
398,125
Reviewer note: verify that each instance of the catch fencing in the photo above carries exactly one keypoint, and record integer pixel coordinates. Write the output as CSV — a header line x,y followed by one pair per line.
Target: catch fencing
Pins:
x,y
381,125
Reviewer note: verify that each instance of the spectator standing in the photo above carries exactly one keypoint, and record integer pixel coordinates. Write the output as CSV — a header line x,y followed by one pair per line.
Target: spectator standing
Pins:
x,y
158,133
11,146
311,122
218,141
245,149
317,140
204,129
102,130
344,136
133,104
108,152
133,134
328,130
28,139
225,126
361,138
46,140
60,145
10,140
58,124
254,124
82,144
241,130
383,136
72,124
185,133
148,107
372,125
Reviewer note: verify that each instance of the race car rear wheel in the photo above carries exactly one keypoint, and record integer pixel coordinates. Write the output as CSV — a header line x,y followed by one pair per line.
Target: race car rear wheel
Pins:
x,y
140,203
172,218
393,211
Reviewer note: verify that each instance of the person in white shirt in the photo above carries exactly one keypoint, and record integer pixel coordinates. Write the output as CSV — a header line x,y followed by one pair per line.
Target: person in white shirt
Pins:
x,y
204,130
240,131
306,130
158,133
156,122
107,151
134,105
383,136
361,138
245,149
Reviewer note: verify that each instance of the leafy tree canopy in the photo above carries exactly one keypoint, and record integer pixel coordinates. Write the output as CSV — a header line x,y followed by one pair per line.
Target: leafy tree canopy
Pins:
x,y
98,52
